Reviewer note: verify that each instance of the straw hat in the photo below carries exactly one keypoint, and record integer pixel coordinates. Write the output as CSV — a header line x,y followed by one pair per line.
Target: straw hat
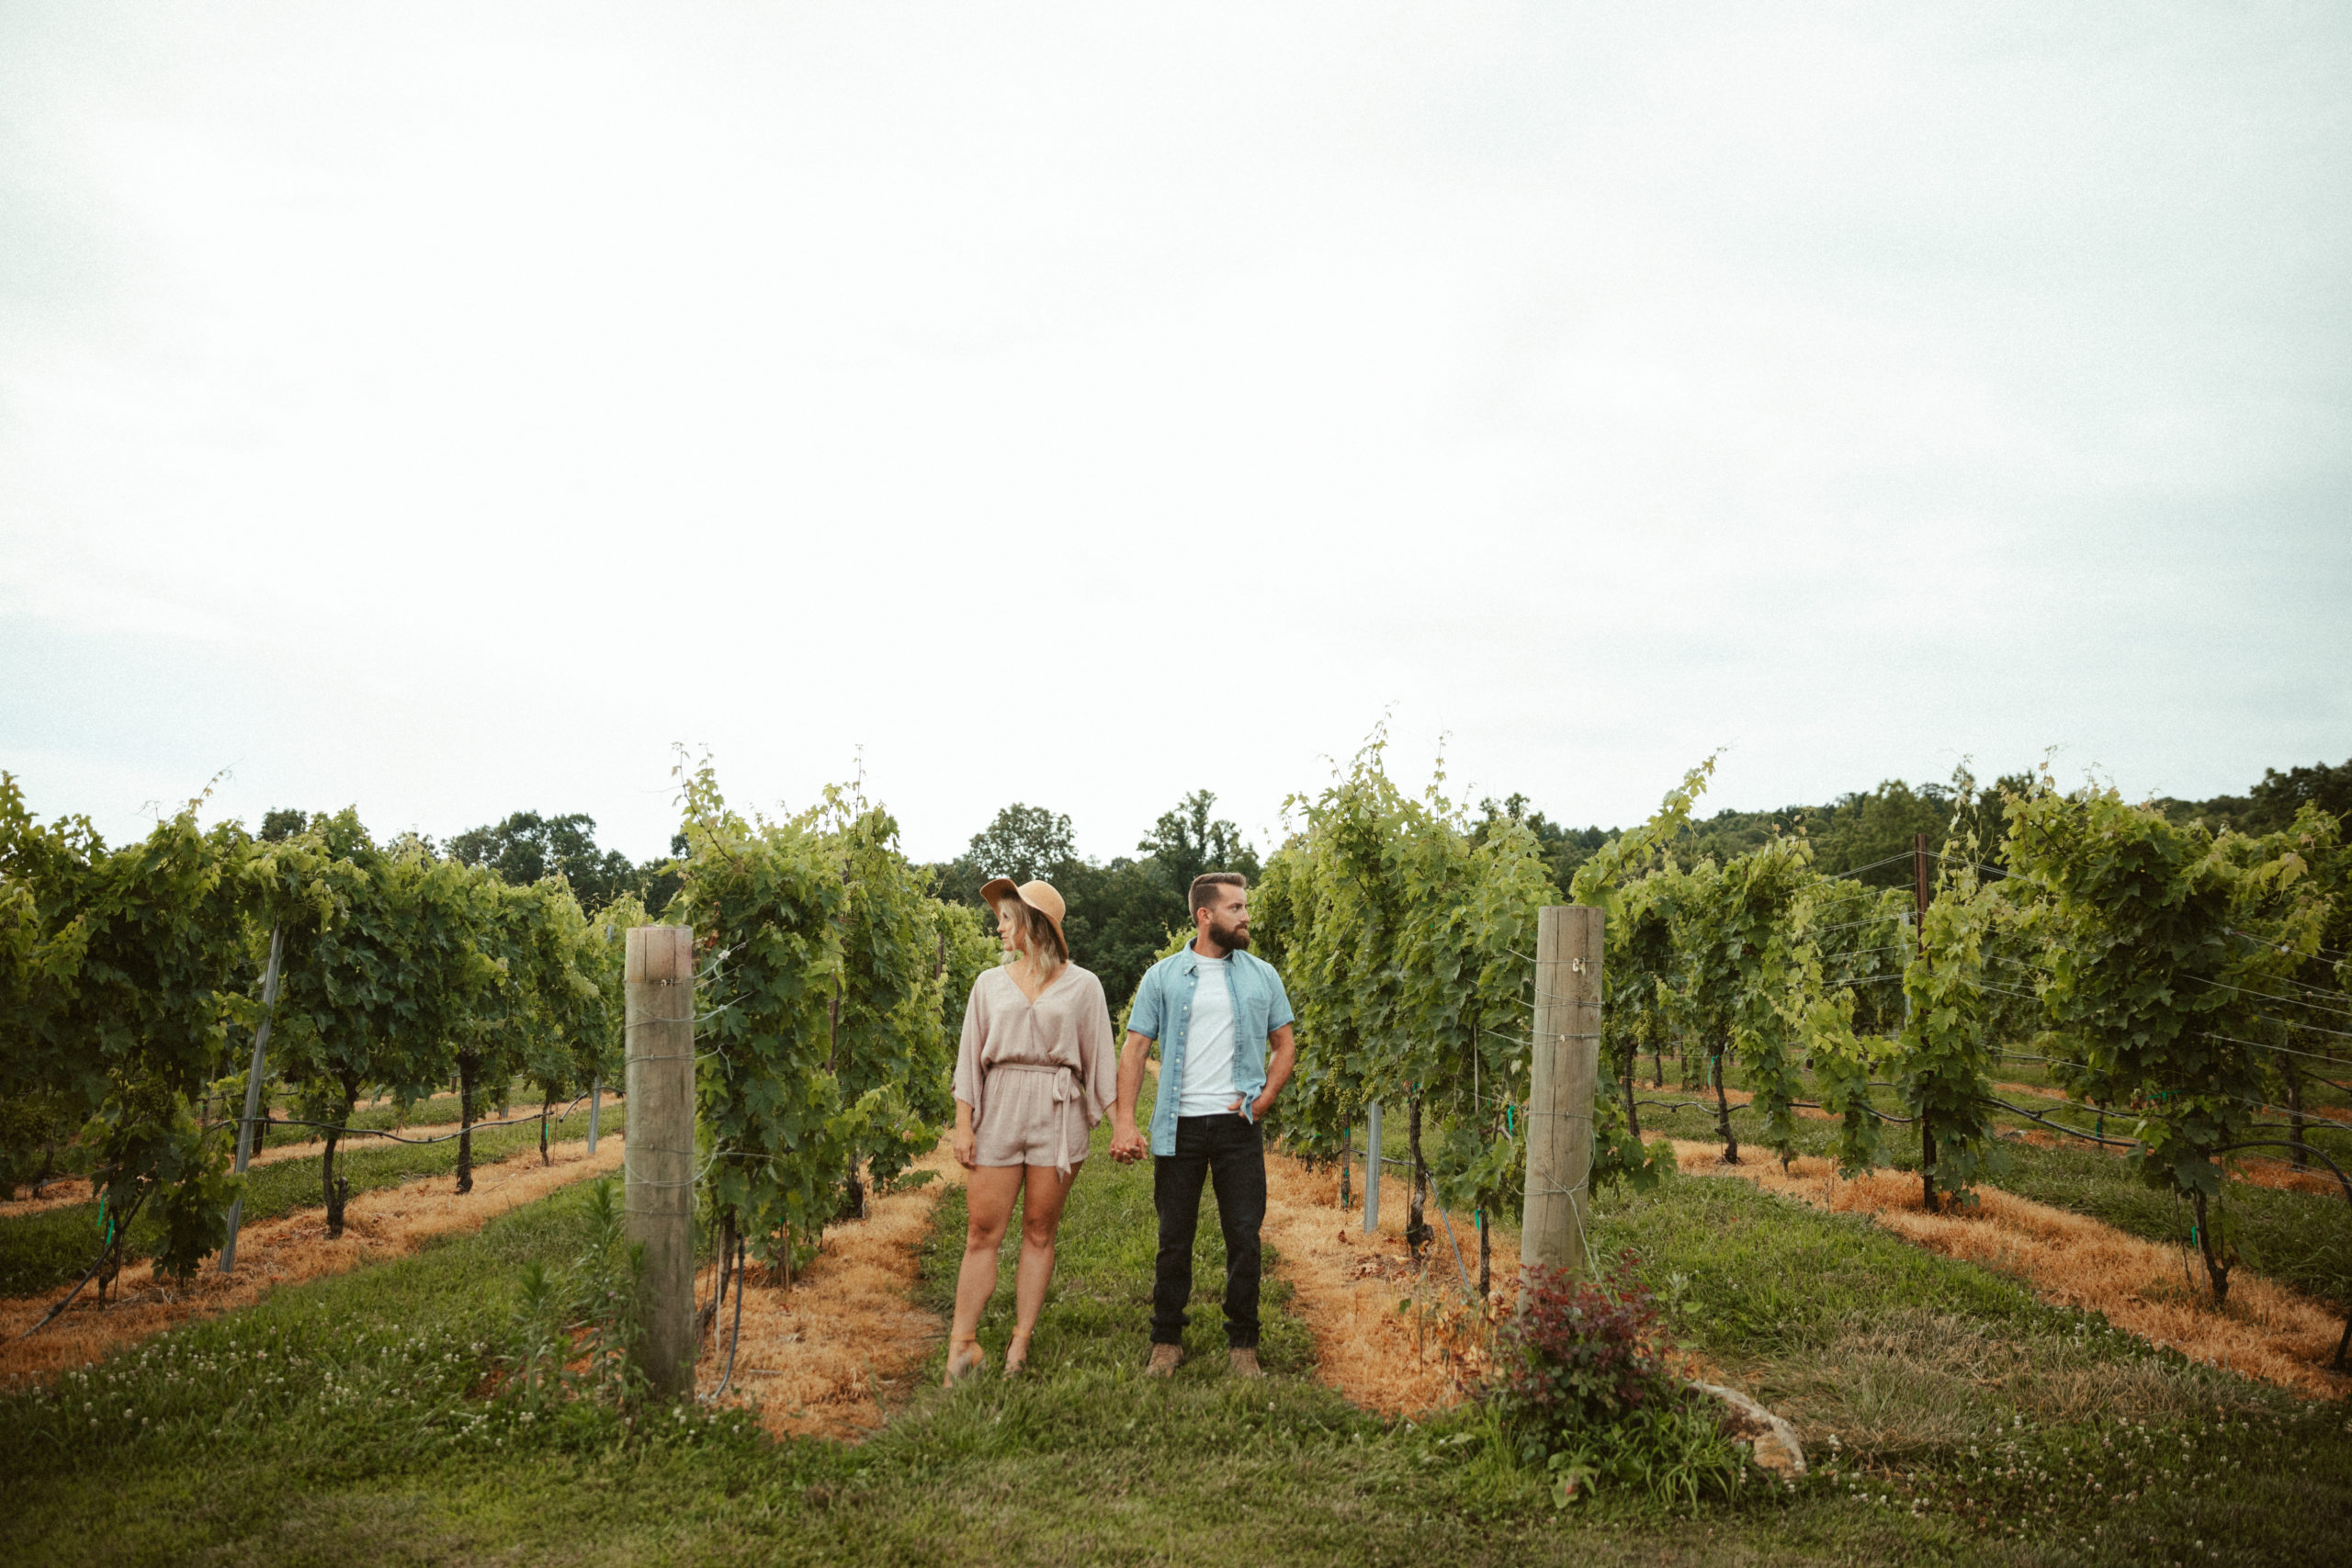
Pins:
x,y
1039,896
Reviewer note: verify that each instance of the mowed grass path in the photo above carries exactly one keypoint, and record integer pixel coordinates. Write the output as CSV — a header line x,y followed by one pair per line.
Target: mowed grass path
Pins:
x,y
335,1422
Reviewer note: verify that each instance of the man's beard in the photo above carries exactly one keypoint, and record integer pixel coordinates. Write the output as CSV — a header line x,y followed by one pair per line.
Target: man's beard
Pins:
x,y
1228,937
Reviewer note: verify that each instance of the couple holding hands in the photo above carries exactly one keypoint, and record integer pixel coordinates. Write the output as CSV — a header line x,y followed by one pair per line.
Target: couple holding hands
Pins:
x,y
1035,1071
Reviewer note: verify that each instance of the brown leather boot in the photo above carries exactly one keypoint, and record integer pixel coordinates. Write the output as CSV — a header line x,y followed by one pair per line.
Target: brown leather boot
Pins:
x,y
1244,1363
1163,1361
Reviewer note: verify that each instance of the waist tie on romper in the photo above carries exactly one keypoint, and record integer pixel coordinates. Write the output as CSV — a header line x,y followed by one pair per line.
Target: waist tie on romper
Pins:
x,y
1064,1096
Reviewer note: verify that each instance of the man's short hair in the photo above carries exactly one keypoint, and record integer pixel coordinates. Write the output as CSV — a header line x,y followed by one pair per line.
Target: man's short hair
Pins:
x,y
1206,885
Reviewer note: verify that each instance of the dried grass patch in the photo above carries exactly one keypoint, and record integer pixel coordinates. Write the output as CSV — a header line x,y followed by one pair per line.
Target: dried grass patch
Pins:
x,y
2261,1170
825,1358
1347,1286
60,1192
2267,1331
387,1222
2255,1170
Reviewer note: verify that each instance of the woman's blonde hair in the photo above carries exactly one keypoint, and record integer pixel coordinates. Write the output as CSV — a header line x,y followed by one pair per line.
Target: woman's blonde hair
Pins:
x,y
1041,938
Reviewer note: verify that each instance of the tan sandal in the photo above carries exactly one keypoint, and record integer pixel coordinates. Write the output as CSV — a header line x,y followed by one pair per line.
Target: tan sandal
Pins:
x,y
961,1365
1016,1354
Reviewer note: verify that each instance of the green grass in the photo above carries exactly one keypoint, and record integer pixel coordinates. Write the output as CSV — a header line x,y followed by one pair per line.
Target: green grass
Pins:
x,y
1973,1424
40,1251
1098,1317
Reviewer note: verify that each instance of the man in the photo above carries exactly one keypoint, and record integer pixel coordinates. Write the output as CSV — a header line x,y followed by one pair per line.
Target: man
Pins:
x,y
1216,1011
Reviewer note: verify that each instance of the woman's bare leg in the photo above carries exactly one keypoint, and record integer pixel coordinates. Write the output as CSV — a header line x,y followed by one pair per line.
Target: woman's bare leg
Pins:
x,y
987,1197
1041,1216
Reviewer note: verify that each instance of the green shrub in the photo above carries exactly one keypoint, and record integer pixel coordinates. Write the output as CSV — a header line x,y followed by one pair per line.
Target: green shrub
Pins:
x,y
573,1331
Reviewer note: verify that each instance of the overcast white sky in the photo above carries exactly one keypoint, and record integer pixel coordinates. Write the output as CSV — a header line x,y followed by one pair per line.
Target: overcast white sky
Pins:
x,y
446,409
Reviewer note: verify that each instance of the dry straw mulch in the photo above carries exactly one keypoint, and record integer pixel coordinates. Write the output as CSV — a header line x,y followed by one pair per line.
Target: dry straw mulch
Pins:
x,y
385,1223
2268,1330
1396,1359
828,1356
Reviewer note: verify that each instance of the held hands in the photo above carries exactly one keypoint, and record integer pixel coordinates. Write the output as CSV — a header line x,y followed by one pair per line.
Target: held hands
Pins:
x,y
1127,1145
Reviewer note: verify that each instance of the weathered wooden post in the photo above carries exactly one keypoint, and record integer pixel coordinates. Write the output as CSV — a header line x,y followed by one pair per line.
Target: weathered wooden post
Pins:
x,y
1563,1069
1372,1169
596,1104
660,1156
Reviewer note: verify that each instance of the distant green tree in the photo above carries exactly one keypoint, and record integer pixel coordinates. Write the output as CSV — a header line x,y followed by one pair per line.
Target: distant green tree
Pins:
x,y
276,826
659,880
526,846
2280,797
2269,807
1120,914
1186,842
1028,843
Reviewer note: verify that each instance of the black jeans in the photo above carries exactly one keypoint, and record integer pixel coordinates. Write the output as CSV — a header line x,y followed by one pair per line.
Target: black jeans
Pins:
x,y
1227,1151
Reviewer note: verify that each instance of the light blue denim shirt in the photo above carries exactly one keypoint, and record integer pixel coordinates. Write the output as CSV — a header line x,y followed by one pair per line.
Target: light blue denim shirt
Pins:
x,y
1164,1008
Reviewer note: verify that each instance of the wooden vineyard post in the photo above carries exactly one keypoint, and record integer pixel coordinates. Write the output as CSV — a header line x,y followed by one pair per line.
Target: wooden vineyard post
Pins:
x,y
1372,1169
660,1159
1565,1069
596,1103
252,1091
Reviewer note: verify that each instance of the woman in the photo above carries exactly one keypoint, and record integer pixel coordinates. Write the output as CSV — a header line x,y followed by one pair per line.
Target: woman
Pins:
x,y
1034,1073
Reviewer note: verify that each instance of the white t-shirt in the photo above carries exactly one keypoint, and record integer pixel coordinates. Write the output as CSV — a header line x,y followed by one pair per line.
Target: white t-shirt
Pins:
x,y
1208,1045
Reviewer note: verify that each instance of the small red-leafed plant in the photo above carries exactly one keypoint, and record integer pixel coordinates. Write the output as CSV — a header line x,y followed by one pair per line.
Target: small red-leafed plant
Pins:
x,y
1584,1388
1581,1352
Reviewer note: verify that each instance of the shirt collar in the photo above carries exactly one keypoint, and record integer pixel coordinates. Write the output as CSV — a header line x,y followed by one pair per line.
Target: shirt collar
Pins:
x,y
1192,960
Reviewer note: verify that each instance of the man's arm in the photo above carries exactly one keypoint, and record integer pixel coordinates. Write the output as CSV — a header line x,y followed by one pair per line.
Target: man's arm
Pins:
x,y
1278,1067
1127,1143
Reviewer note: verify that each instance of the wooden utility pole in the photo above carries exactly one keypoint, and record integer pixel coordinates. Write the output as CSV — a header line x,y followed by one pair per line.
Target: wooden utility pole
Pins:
x,y
1920,895
1565,1069
660,1192
252,1091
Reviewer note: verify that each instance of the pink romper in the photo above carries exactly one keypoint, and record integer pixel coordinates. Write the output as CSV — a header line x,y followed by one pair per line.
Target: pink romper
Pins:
x,y
1038,1075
